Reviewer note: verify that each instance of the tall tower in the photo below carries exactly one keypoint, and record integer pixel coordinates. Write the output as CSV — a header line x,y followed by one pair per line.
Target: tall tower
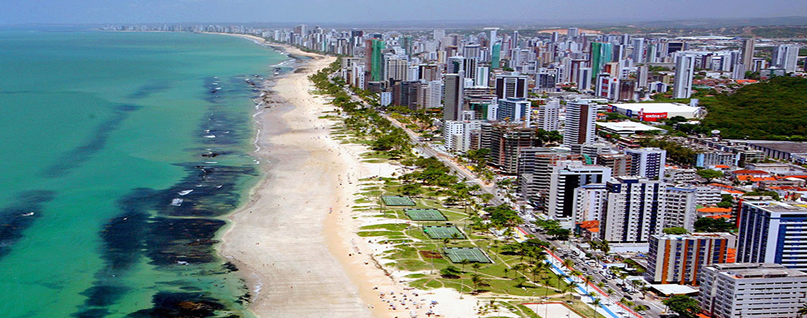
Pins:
x,y
684,71
748,53
580,123
453,96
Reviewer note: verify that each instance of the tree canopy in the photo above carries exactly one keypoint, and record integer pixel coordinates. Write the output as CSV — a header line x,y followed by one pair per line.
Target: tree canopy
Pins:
x,y
683,305
709,174
773,109
675,230
713,225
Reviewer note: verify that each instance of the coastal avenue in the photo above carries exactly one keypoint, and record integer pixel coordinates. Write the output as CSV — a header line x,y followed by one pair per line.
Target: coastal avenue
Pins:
x,y
610,302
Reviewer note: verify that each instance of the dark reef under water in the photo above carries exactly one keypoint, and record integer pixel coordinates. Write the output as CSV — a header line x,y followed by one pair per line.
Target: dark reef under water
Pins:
x,y
174,229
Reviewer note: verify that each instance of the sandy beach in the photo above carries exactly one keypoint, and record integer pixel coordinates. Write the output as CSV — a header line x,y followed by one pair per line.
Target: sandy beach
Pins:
x,y
294,241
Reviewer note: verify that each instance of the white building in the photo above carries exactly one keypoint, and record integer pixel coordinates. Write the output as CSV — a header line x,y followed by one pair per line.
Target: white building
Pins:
x,y
648,162
677,259
635,210
565,177
434,94
785,57
752,290
548,116
773,232
681,208
580,123
684,73
589,202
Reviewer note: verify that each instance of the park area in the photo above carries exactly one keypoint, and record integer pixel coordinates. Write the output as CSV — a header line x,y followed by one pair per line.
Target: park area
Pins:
x,y
441,246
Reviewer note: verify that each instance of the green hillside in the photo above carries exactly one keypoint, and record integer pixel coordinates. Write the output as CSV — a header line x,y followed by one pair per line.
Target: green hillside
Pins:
x,y
776,109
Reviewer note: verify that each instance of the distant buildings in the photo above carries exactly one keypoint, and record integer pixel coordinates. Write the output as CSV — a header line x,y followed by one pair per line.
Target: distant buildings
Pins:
x,y
751,290
785,57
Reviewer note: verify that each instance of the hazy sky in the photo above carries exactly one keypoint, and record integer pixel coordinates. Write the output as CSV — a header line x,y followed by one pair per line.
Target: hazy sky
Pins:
x,y
357,11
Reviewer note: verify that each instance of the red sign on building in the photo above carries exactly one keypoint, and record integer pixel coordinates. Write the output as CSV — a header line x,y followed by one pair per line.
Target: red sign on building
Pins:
x,y
652,116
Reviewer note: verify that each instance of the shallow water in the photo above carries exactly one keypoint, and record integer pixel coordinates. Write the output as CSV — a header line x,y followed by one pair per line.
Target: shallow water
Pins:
x,y
103,136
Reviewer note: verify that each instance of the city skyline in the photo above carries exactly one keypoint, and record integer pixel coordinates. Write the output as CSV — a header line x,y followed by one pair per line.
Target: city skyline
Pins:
x,y
363,11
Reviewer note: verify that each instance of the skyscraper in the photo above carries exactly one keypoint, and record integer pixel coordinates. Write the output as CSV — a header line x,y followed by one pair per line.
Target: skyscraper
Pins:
x,y
684,72
751,290
511,86
564,178
785,57
772,232
601,53
580,123
635,209
374,59
638,50
677,259
548,116
647,162
748,53
453,96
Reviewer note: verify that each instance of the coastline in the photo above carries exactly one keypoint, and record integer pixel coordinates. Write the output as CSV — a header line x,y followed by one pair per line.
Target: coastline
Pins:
x,y
299,253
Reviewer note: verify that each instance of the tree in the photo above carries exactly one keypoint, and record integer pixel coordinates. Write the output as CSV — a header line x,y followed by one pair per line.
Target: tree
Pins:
x,y
559,233
464,262
675,230
450,272
503,216
709,174
713,225
683,305
802,312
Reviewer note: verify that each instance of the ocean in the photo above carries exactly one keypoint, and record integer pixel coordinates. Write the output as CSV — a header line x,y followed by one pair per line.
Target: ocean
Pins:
x,y
124,153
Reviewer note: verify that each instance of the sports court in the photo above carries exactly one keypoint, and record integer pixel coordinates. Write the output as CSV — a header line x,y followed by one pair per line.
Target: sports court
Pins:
x,y
443,232
553,310
424,215
397,201
472,254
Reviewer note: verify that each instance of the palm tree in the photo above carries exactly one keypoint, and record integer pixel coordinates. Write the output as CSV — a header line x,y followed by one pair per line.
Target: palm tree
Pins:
x,y
476,267
588,279
568,263
596,303
802,312
464,262
505,271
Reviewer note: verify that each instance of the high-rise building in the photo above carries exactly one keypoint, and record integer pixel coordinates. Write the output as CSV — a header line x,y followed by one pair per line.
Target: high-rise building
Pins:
x,y
677,259
374,59
395,68
515,110
548,116
748,53
482,77
635,209
584,75
601,53
505,141
455,83
620,164
681,208
495,55
647,162
638,50
684,73
580,123
434,94
772,232
785,57
590,202
751,290
511,86
535,165
566,176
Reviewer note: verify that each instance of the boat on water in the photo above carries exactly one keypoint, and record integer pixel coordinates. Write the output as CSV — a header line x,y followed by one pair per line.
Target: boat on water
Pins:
x,y
176,202
185,192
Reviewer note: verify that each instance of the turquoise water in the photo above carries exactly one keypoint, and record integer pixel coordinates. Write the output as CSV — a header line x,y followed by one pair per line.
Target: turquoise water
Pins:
x,y
101,132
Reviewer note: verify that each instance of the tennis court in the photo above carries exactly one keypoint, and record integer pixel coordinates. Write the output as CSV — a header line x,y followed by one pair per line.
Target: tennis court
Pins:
x,y
424,215
443,232
397,201
472,254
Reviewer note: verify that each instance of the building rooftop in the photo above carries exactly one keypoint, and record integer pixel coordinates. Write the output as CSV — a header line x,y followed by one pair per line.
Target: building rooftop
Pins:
x,y
657,107
626,126
783,146
756,270
781,207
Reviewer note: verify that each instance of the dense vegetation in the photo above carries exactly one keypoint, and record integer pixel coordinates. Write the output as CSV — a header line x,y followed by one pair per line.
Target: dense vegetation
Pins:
x,y
769,110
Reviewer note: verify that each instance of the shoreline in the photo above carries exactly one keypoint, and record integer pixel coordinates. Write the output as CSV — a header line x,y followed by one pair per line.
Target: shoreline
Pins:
x,y
298,253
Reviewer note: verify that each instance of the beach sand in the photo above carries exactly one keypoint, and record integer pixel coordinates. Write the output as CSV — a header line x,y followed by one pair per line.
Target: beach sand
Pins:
x,y
294,241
